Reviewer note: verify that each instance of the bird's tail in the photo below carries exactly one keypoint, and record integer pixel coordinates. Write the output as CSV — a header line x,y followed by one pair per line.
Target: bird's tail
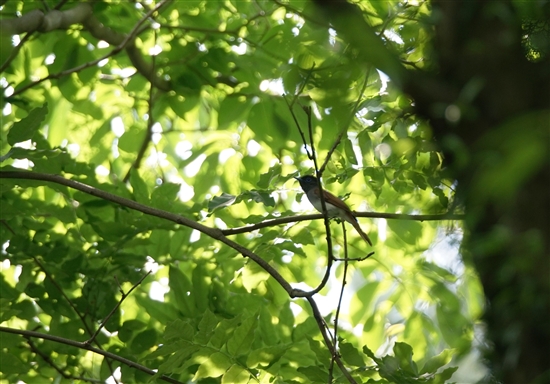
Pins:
x,y
363,235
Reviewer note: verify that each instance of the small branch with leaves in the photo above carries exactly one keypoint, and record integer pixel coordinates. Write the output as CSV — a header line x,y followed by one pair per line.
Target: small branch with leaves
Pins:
x,y
77,344
82,13
211,232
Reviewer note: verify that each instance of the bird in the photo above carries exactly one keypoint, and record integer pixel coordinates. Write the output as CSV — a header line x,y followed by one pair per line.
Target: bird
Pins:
x,y
335,206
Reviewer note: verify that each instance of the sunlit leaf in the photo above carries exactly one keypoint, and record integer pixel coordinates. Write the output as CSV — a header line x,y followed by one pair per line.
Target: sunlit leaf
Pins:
x,y
25,128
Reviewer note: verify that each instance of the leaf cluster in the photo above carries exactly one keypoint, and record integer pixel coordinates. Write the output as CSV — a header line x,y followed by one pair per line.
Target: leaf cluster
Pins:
x,y
219,147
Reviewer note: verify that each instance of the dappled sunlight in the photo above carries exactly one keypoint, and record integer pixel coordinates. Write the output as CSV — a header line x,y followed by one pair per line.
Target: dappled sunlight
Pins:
x,y
150,207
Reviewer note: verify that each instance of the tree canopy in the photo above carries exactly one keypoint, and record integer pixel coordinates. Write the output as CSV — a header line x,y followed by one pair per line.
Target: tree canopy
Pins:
x,y
152,229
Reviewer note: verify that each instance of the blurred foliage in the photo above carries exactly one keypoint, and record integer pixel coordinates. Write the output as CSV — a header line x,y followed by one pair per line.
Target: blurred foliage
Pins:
x,y
221,148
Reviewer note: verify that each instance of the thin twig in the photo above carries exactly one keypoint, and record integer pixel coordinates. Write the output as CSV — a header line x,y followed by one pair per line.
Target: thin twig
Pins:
x,y
309,155
7,226
15,51
356,258
124,296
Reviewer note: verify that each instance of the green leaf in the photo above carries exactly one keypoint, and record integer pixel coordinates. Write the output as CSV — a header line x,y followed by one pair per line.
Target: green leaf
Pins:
x,y
263,197
443,199
224,331
253,275
303,237
266,179
239,344
408,230
350,153
314,374
236,374
261,121
443,377
216,365
10,364
351,355
144,340
181,289
141,192
321,352
207,326
180,352
418,180
201,285
438,361
267,356
223,201
179,329
455,328
131,140
163,196
188,82
232,110
404,353
126,332
370,354
25,128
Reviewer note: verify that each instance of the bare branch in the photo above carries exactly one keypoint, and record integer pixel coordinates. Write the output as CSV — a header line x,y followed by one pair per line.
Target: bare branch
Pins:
x,y
324,332
317,216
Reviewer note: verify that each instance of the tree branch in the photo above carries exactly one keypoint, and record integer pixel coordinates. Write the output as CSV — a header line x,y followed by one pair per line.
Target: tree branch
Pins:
x,y
317,216
95,27
36,20
324,332
52,364
211,232
72,343
339,306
